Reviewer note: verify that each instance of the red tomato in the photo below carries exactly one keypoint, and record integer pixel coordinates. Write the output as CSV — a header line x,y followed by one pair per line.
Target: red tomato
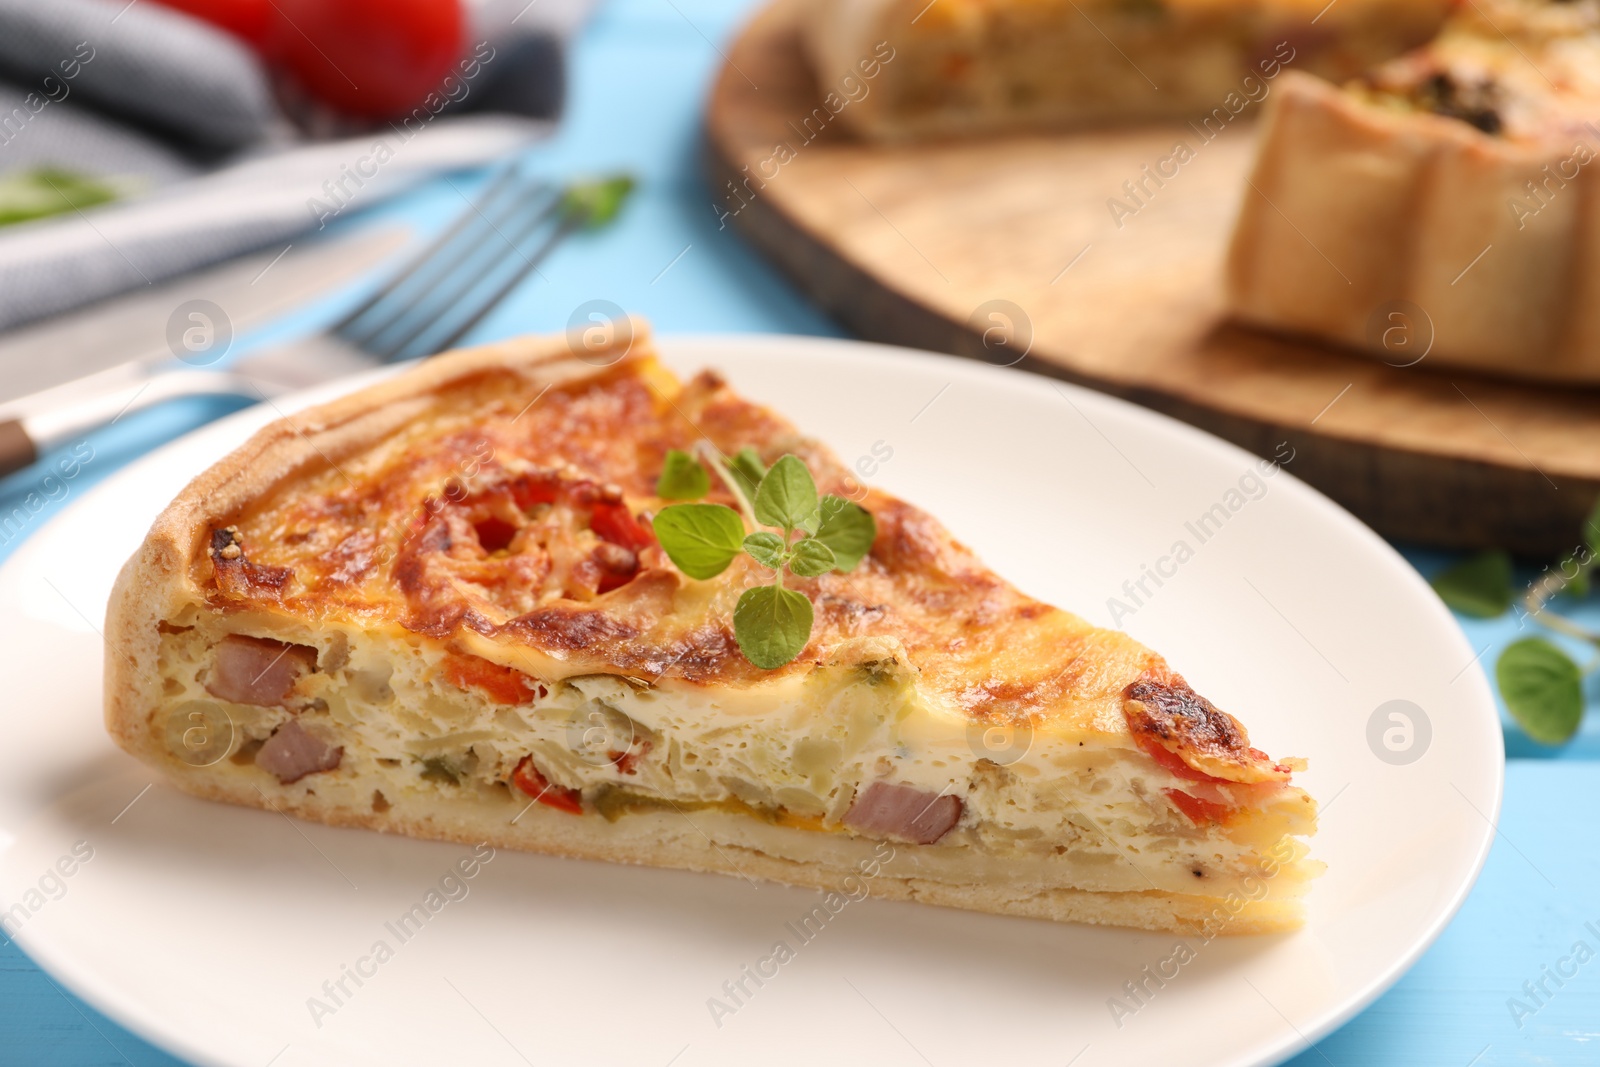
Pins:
x,y
528,779
628,762
1199,811
503,684
374,58
250,20
495,533
615,523
534,488
1173,762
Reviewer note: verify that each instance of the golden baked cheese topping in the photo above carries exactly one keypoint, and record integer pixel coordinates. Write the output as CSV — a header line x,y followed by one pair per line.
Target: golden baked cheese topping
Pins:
x,y
514,524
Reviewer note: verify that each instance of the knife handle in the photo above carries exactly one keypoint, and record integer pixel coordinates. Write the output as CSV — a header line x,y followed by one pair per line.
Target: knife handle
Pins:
x,y
17,449
52,419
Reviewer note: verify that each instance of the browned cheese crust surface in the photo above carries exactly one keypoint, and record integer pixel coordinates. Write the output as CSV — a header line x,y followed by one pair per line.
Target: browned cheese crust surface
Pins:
x,y
502,497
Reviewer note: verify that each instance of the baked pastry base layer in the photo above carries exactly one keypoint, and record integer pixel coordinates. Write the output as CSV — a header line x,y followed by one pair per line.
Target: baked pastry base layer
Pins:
x,y
716,843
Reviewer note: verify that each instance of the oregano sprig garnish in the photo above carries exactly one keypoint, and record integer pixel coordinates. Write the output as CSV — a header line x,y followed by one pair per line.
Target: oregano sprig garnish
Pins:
x,y
701,539
1543,687
1541,684
682,477
748,470
1479,586
807,535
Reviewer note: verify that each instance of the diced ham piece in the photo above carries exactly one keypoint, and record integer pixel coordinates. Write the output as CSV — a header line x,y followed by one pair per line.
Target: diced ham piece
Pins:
x,y
922,818
292,752
257,670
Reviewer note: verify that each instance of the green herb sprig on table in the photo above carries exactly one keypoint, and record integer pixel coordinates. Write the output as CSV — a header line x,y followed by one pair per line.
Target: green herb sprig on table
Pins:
x,y
44,191
1542,685
806,535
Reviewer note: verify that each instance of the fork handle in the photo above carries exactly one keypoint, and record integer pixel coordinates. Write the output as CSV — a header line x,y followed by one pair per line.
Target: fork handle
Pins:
x,y
17,449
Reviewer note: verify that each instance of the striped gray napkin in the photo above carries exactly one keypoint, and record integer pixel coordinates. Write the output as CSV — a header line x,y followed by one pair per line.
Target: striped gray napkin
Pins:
x,y
180,118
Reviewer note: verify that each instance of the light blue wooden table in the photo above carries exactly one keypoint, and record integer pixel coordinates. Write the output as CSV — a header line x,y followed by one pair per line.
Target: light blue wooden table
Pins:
x,y
640,73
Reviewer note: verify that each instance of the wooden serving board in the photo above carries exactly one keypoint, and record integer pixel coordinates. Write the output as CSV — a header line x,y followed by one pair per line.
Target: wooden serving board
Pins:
x,y
905,244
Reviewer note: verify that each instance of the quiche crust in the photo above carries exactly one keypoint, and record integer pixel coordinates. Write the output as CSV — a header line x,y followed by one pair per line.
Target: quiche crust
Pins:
x,y
394,612
905,69
1441,207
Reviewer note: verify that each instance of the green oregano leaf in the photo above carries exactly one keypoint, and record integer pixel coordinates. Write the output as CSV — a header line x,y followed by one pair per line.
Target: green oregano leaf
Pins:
x,y
682,477
848,529
766,547
772,625
595,203
787,497
1543,689
748,470
44,191
1479,586
1579,584
811,558
700,539
1591,529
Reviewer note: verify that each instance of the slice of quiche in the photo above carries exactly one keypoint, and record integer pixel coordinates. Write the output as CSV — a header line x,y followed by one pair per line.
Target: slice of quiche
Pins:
x,y
438,607
910,68
1444,204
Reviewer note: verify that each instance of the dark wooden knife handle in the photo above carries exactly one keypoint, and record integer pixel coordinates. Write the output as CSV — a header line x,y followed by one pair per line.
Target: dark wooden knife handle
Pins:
x,y
17,449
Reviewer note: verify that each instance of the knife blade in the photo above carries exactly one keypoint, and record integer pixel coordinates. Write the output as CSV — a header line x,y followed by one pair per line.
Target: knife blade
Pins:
x,y
130,331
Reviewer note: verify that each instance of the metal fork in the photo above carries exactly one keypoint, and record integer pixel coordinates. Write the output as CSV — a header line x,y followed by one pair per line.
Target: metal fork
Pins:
x,y
426,307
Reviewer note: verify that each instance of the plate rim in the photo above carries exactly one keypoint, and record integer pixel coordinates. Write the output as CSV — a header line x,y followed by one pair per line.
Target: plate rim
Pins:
x,y
61,969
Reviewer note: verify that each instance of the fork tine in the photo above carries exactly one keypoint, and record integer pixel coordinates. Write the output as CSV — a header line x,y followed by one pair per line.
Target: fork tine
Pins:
x,y
529,264
468,235
504,251
421,259
460,284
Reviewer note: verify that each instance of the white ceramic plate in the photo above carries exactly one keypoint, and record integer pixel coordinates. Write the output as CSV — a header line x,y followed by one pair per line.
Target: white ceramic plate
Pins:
x,y
208,929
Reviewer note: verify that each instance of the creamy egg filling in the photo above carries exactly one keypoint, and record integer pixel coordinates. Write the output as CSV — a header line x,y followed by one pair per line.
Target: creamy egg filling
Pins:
x,y
748,765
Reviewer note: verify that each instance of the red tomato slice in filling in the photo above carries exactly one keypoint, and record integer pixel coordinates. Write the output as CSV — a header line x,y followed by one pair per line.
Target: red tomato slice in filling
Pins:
x,y
528,779
1200,812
